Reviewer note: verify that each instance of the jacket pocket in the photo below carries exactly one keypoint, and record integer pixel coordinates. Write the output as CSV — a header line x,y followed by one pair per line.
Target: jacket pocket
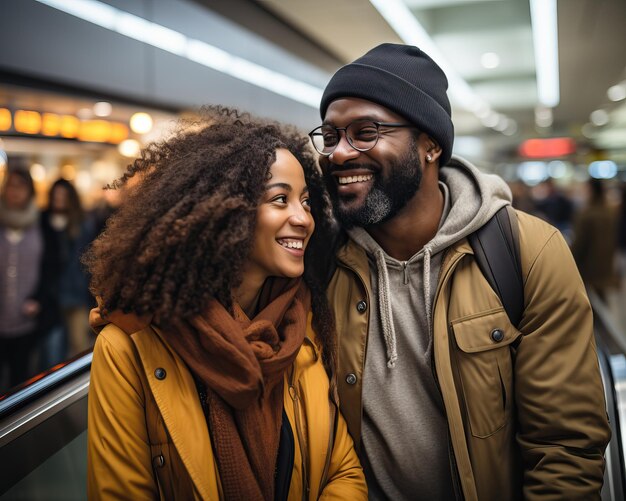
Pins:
x,y
485,369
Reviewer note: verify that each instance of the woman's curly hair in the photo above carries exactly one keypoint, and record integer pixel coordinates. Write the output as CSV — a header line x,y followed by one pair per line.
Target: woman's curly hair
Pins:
x,y
185,229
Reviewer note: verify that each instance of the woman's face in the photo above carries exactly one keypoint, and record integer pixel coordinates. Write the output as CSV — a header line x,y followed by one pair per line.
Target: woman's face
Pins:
x,y
59,199
17,193
284,222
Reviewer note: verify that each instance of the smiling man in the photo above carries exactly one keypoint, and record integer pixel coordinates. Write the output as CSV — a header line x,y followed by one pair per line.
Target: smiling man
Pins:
x,y
444,397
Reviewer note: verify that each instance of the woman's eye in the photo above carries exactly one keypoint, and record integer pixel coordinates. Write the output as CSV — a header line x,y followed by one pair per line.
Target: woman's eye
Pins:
x,y
307,203
281,199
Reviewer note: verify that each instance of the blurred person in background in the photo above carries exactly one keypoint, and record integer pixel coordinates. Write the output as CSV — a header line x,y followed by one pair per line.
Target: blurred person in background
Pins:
x,y
21,251
67,232
522,198
621,234
555,207
594,244
105,208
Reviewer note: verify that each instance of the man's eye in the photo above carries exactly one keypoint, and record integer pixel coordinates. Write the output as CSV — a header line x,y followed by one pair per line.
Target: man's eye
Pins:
x,y
366,134
330,139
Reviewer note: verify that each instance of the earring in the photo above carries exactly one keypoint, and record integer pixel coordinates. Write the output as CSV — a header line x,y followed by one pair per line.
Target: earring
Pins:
x,y
429,158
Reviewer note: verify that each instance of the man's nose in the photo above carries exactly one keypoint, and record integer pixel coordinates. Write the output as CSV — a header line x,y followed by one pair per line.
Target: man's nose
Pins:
x,y
344,151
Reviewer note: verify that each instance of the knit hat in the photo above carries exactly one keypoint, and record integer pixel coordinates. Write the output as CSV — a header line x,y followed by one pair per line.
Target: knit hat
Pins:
x,y
404,79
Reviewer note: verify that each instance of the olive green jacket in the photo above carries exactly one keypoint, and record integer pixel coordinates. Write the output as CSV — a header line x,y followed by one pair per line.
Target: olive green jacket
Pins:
x,y
526,412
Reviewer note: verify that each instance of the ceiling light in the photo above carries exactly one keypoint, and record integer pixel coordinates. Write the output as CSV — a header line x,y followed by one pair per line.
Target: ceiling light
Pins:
x,y
129,148
38,172
511,128
408,28
543,116
172,41
543,16
617,92
84,113
141,123
102,109
603,169
490,60
588,130
599,117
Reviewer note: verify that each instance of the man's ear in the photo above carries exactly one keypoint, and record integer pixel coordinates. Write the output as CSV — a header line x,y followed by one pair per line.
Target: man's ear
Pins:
x,y
432,150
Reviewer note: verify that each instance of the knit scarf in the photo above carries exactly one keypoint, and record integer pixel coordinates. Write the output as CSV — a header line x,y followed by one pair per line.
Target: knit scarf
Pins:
x,y
242,363
18,219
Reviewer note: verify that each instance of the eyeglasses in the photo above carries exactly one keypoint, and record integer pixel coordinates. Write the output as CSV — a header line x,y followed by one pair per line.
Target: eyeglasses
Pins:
x,y
362,135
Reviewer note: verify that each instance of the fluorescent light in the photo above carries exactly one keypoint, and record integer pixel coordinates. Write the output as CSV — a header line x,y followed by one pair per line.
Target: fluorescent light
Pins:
x,y
617,92
543,16
490,60
194,50
409,29
599,117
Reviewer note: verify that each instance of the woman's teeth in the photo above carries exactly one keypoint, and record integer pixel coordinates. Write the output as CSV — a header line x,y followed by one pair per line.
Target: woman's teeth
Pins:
x,y
291,244
354,179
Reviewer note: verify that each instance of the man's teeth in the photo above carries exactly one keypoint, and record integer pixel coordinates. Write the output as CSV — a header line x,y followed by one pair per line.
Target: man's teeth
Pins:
x,y
291,244
354,179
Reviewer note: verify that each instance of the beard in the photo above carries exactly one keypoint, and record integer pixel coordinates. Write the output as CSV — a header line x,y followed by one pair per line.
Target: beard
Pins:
x,y
387,196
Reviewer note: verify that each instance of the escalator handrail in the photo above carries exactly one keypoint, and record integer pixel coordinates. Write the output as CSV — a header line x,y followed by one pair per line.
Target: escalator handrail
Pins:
x,y
44,384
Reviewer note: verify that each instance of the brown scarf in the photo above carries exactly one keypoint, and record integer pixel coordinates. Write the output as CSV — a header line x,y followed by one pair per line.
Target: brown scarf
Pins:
x,y
242,363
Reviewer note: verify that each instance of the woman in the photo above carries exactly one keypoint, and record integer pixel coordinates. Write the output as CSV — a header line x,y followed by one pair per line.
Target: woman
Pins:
x,y
67,234
21,251
208,383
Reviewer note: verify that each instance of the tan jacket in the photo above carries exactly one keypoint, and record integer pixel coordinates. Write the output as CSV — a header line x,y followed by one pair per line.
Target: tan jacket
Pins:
x,y
148,437
525,420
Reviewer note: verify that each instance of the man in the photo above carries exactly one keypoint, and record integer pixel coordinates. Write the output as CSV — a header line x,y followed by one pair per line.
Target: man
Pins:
x,y
444,397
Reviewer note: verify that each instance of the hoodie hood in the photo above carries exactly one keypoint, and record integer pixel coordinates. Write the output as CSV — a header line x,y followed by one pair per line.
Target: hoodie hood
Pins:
x,y
471,198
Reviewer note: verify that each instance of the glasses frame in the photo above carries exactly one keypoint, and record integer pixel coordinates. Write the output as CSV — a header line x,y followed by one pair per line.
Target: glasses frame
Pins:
x,y
378,125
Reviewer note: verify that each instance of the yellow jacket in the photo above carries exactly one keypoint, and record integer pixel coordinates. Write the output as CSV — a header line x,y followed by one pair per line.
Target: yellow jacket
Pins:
x,y
526,412
148,437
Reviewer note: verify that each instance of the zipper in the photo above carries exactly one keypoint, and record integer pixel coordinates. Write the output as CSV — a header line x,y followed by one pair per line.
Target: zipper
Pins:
x,y
301,439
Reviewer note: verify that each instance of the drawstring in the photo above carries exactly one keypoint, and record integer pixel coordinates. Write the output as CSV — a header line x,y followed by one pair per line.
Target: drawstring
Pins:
x,y
427,299
384,305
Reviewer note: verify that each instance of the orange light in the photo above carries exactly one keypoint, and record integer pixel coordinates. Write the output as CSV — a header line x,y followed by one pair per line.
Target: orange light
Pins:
x,y
51,124
98,131
119,132
5,119
547,148
27,122
69,126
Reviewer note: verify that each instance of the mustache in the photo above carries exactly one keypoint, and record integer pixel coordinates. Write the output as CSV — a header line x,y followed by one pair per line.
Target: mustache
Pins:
x,y
330,167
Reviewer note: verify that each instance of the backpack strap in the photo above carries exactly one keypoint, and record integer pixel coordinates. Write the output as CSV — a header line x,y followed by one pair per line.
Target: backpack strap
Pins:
x,y
496,249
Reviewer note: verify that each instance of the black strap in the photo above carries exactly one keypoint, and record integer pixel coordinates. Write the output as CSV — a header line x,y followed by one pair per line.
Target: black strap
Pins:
x,y
496,248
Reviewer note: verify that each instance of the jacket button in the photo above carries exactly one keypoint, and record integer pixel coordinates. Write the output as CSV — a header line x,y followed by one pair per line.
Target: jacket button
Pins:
x,y
361,306
158,461
351,378
497,335
160,373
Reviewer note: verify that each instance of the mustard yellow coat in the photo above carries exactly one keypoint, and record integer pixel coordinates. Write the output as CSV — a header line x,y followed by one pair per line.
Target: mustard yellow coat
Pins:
x,y
148,437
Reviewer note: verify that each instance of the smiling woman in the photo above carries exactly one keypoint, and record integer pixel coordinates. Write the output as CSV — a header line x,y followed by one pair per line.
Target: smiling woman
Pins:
x,y
210,339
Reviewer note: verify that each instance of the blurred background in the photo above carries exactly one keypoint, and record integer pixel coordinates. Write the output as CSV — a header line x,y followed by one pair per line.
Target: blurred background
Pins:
x,y
538,92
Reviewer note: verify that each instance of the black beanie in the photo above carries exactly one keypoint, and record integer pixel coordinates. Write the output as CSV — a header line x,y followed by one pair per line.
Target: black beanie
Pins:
x,y
403,79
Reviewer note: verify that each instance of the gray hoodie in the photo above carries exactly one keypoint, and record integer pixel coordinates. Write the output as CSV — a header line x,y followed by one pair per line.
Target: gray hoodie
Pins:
x,y
404,435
